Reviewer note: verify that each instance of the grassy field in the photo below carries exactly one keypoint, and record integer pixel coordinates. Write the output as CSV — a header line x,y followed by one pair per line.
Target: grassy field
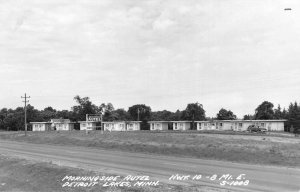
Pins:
x,y
273,149
19,175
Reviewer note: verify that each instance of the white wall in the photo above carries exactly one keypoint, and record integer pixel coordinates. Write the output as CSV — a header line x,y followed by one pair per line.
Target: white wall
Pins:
x,y
115,126
201,126
133,126
38,127
41,127
158,126
84,125
181,126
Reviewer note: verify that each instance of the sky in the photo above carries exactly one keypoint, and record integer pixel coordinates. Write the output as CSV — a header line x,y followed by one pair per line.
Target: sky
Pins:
x,y
163,53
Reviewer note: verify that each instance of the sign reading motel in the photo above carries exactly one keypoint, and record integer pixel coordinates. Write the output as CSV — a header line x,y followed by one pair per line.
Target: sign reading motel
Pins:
x,y
94,117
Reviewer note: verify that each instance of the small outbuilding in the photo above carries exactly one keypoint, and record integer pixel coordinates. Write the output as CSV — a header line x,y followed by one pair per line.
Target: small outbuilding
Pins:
x,y
133,125
220,125
204,125
114,126
62,124
181,125
87,125
41,126
240,125
159,125
270,125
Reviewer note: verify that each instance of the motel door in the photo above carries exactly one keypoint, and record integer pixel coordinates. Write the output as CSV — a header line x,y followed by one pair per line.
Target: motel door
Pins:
x,y
213,126
235,127
269,126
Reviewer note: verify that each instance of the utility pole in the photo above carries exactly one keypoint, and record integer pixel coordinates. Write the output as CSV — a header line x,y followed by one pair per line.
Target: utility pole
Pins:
x,y
25,107
193,122
138,112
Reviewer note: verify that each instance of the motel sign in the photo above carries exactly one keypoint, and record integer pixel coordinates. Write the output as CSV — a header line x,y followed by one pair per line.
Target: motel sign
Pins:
x,y
94,117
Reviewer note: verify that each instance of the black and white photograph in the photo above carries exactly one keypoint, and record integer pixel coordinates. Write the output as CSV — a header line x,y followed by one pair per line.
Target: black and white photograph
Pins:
x,y
150,96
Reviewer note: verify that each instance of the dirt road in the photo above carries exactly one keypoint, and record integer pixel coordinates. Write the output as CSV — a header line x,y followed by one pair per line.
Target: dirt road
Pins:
x,y
261,178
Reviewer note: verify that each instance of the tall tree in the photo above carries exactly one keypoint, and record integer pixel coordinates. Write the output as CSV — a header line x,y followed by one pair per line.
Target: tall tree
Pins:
x,y
107,111
225,115
278,113
178,115
15,119
161,115
284,114
294,115
85,106
194,112
142,113
248,117
264,111
120,115
3,116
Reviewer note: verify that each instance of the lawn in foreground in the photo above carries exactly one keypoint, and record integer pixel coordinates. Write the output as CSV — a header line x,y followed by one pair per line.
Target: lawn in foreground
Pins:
x,y
28,176
254,149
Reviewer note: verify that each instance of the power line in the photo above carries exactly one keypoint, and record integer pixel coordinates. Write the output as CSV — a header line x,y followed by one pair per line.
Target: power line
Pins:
x,y
25,107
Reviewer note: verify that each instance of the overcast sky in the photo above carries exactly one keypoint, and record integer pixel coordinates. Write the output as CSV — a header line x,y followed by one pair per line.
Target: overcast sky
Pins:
x,y
163,53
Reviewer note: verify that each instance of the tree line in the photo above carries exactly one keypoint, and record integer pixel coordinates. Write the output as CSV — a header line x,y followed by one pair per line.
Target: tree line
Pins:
x,y
13,119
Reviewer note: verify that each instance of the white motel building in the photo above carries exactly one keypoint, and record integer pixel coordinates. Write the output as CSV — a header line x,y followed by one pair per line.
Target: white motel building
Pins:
x,y
240,125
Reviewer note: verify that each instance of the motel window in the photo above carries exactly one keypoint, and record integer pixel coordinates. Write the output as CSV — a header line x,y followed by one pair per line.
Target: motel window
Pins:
x,y
221,124
240,124
83,125
262,124
200,126
180,124
205,124
157,125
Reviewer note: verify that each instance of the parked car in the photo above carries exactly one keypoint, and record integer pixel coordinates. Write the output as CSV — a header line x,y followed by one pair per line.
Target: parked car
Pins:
x,y
257,129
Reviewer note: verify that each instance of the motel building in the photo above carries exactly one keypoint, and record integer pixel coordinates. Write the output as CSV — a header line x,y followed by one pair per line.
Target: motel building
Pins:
x,y
87,125
181,125
54,124
270,125
240,125
214,125
114,126
158,125
41,126
133,125
62,124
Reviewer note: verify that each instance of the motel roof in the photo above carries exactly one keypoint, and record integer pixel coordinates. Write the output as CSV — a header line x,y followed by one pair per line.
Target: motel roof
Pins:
x,y
113,121
40,122
88,121
239,120
158,121
259,120
181,121
64,122
60,120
